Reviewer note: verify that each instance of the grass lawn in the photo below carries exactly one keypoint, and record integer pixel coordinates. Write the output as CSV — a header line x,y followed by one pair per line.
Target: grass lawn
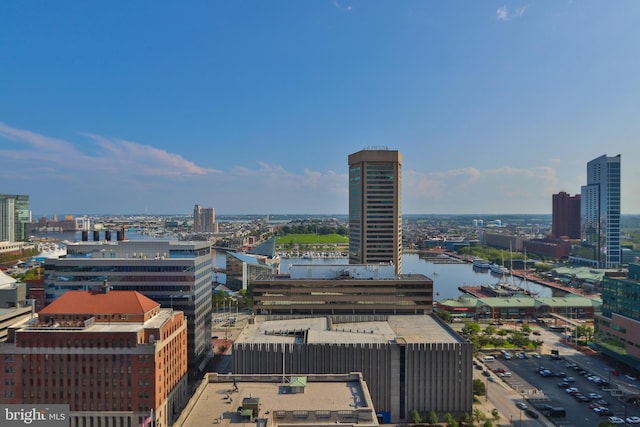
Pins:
x,y
311,239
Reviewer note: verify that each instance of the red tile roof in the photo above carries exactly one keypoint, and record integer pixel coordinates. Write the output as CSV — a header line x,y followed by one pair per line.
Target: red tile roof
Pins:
x,y
90,302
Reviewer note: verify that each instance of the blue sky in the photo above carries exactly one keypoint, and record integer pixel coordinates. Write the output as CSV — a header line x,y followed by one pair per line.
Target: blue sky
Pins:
x,y
254,106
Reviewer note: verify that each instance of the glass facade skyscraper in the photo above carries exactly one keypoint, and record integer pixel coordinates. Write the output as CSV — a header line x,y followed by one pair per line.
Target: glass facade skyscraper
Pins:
x,y
15,217
600,211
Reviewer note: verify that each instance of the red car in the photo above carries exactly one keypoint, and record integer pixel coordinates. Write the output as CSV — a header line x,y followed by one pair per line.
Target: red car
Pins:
x,y
500,370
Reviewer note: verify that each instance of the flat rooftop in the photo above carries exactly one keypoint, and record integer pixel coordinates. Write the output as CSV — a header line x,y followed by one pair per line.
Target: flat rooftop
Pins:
x,y
326,399
328,330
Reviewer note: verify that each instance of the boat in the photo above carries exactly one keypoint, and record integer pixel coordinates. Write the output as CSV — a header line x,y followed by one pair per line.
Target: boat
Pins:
x,y
498,269
481,263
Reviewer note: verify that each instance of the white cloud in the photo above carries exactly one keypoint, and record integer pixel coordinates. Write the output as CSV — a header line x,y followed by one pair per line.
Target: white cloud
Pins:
x,y
503,14
472,190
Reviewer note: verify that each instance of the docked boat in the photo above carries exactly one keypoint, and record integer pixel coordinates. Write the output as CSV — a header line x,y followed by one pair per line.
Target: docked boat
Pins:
x,y
481,263
498,269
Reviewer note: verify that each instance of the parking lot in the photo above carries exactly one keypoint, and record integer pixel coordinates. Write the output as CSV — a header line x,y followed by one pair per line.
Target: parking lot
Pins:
x,y
545,383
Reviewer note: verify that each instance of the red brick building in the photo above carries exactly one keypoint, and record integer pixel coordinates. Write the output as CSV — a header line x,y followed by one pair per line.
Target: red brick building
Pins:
x,y
113,356
565,219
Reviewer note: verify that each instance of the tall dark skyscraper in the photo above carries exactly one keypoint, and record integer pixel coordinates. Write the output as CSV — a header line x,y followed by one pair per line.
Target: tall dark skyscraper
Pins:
x,y
600,211
565,219
375,218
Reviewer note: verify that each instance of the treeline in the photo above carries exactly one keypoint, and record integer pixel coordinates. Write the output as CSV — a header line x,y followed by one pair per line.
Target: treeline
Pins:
x,y
322,229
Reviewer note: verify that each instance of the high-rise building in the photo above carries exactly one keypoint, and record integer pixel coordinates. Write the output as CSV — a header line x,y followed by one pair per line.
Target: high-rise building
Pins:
x,y
600,211
204,220
113,357
565,220
15,217
375,219
174,274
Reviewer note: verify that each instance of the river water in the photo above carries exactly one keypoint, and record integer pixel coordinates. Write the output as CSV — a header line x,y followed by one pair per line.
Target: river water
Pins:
x,y
446,277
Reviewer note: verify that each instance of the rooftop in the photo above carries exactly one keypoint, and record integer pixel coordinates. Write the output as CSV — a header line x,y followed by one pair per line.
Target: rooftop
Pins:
x,y
92,303
326,400
333,330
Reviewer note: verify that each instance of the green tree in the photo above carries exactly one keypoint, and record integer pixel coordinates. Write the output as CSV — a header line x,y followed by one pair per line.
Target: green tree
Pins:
x,y
495,414
467,419
415,417
478,415
487,423
432,418
525,329
471,328
444,315
479,388
490,330
451,422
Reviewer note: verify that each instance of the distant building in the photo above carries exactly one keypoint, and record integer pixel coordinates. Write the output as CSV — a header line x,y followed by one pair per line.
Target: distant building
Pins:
x,y
565,219
15,217
14,305
114,357
204,220
174,274
600,212
375,215
617,329
548,247
342,289
408,362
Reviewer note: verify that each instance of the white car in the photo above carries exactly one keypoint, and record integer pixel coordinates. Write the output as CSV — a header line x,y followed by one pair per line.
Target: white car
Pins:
x,y
493,379
594,396
616,420
633,420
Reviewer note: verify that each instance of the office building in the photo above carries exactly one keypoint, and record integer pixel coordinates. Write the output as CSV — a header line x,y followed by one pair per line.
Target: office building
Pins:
x,y
375,219
565,219
408,362
617,328
15,217
204,220
174,274
342,289
114,357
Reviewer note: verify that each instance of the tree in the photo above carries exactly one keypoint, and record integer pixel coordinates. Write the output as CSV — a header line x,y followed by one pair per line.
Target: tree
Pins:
x,y
467,419
432,418
490,330
451,422
415,417
478,415
526,329
471,328
487,423
479,388
444,315
495,414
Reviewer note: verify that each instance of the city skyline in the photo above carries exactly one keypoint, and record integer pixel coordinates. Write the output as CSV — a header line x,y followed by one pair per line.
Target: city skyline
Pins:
x,y
253,108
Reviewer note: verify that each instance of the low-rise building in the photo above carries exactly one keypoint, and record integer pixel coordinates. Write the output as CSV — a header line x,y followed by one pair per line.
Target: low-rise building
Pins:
x,y
114,357
342,289
271,400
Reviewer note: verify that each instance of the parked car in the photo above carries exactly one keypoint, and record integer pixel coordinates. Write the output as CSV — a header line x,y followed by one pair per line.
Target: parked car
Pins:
x,y
531,413
616,420
571,390
633,420
505,374
522,405
594,396
486,373
493,379
603,411
569,380
499,370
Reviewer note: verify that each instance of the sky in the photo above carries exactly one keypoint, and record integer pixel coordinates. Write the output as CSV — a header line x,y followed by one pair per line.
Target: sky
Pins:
x,y
127,107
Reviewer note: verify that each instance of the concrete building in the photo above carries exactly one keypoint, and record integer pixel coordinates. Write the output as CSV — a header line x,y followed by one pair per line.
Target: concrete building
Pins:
x,y
15,217
617,329
267,400
342,289
600,212
565,218
14,305
409,362
375,214
175,274
112,356
204,220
